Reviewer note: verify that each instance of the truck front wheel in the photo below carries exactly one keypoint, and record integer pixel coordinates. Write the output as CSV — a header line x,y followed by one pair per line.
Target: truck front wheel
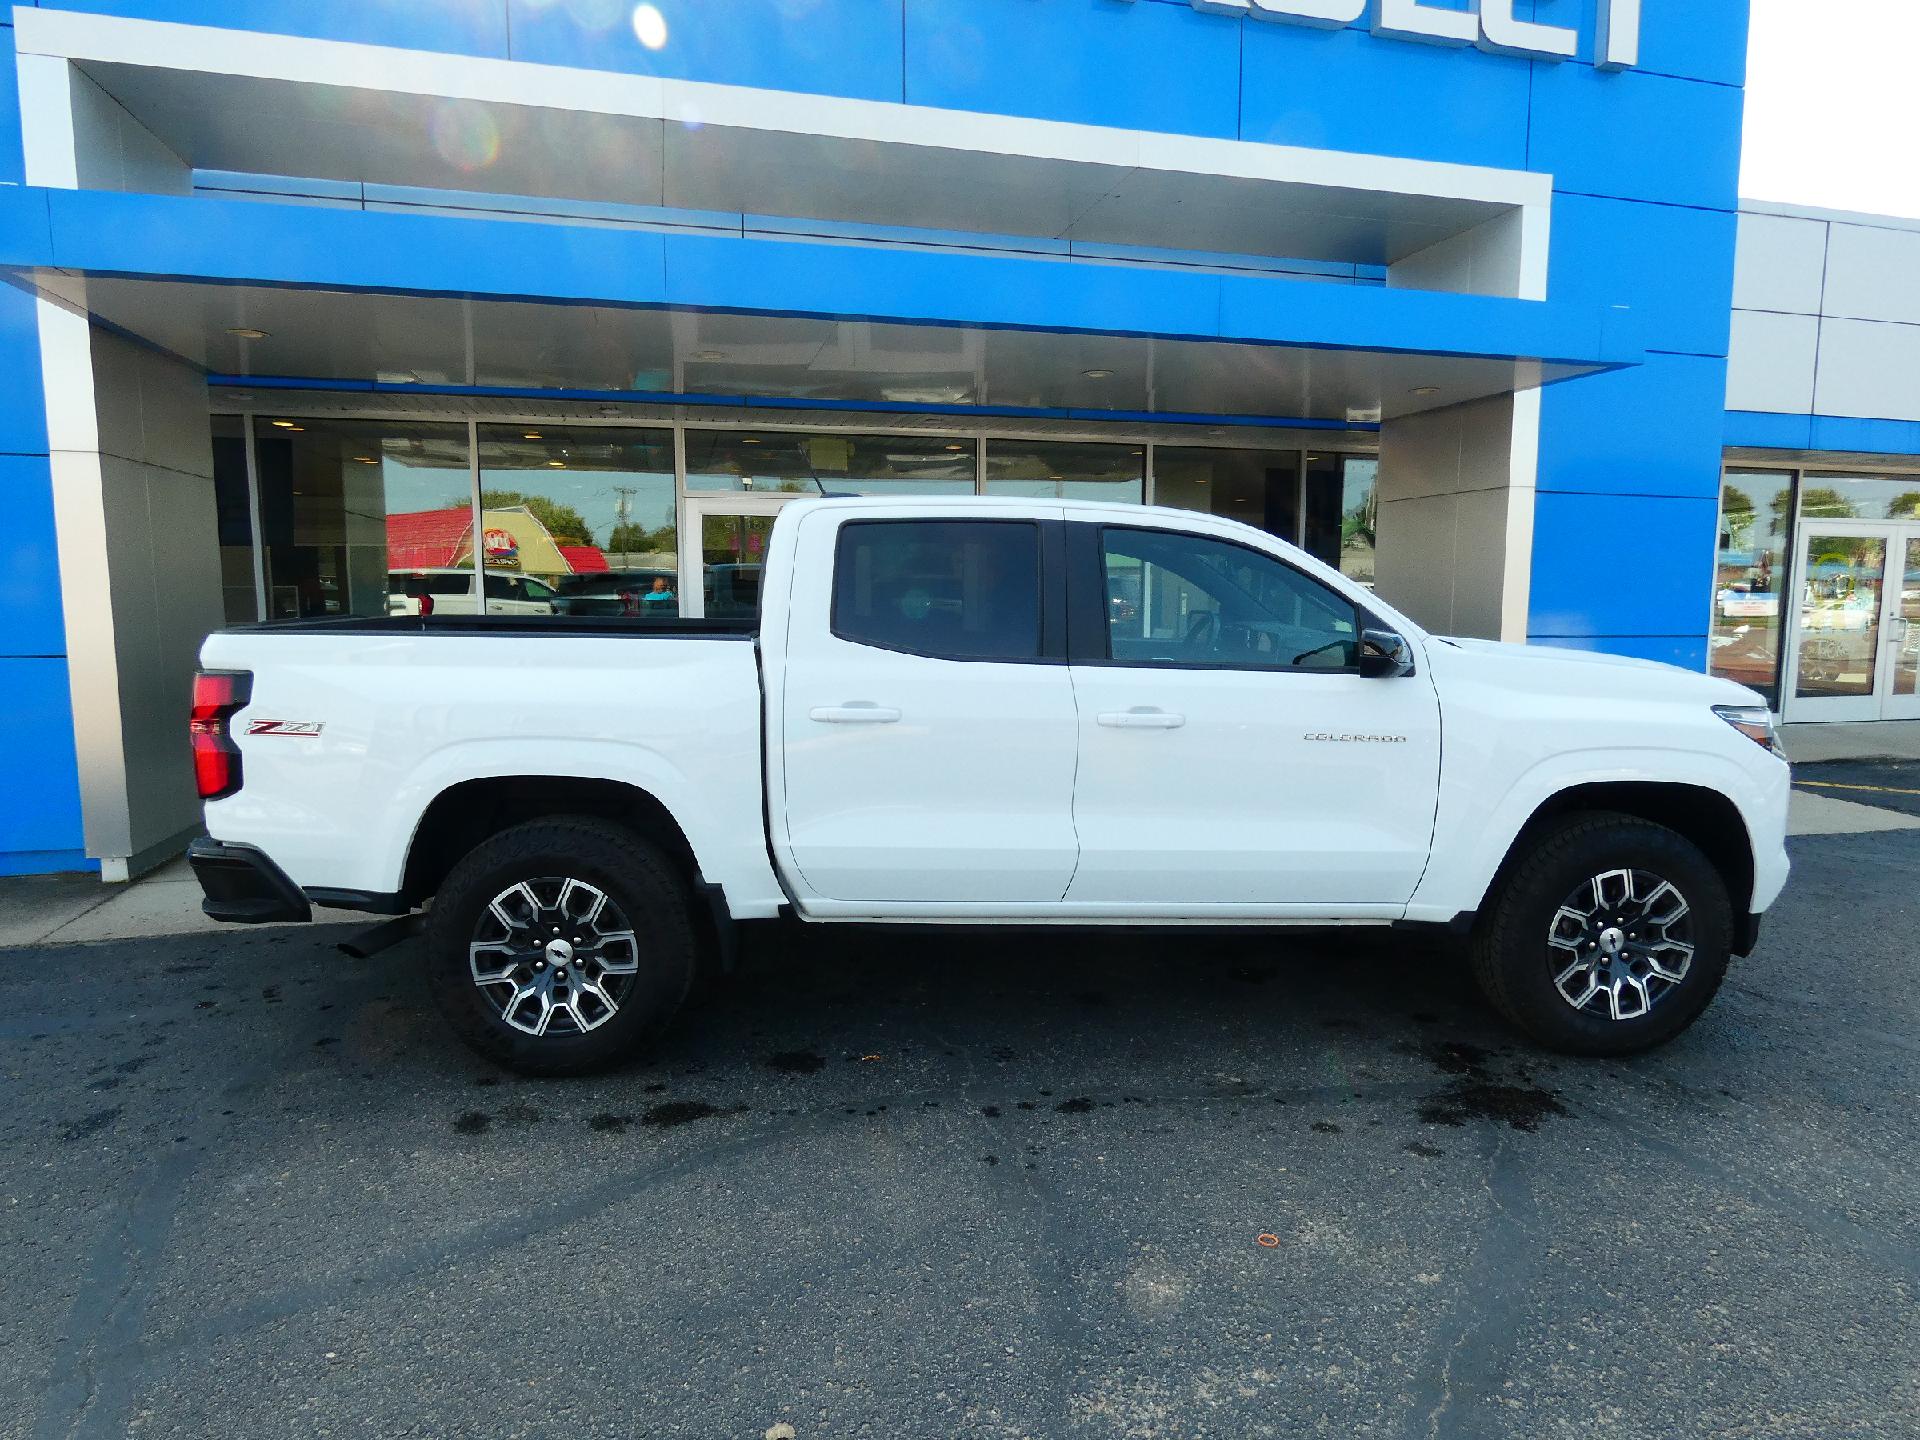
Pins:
x,y
1609,935
559,946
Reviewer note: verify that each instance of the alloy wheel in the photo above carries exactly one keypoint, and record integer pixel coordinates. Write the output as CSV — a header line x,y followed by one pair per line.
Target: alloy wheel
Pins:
x,y
554,956
1620,943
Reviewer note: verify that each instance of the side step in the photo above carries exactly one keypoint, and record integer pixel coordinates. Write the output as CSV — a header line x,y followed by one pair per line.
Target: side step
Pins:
x,y
384,936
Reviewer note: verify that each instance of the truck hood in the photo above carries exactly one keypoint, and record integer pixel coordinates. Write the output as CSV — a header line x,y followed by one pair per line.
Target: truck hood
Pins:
x,y
1590,671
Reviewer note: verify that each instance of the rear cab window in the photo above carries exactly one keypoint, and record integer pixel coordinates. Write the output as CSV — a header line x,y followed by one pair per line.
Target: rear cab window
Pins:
x,y
945,589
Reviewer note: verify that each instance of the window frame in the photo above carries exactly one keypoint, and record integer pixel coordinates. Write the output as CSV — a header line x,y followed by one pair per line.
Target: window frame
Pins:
x,y
1090,625
1049,546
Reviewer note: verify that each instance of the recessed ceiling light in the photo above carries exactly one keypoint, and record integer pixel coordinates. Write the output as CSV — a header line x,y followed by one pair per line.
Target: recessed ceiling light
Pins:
x,y
366,460
958,447
556,464
751,440
246,332
1425,390
531,435
286,425
1098,374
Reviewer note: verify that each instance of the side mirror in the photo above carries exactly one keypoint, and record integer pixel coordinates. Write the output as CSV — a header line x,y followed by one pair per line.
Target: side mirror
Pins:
x,y
1384,655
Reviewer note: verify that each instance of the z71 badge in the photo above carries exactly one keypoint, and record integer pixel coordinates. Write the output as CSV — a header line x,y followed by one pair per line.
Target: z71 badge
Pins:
x,y
298,729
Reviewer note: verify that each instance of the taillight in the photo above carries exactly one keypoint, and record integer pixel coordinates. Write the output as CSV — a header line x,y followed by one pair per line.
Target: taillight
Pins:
x,y
217,695
426,606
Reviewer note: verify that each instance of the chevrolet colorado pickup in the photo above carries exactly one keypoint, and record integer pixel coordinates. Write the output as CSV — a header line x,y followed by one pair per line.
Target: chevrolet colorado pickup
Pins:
x,y
987,712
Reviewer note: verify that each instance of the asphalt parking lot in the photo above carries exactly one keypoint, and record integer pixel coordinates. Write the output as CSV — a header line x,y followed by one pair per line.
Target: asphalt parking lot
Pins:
x,y
886,1186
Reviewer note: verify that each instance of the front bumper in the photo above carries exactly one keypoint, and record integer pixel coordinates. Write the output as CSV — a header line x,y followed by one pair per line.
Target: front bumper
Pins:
x,y
243,887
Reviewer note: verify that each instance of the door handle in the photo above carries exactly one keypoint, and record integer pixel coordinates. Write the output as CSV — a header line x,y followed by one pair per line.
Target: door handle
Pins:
x,y
854,712
1142,718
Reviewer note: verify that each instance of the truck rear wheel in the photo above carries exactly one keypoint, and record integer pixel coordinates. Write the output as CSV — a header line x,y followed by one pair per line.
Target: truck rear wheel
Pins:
x,y
560,946
1609,936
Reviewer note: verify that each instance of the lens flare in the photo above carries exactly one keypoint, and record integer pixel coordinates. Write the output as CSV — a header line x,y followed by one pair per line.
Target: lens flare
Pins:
x,y
465,135
650,27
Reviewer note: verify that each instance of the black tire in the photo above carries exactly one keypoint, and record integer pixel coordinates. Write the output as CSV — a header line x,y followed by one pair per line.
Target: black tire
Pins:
x,y
1517,965
633,875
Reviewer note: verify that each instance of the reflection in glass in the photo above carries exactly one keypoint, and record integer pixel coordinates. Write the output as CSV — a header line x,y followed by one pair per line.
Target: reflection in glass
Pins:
x,y
1359,516
790,464
733,552
1257,487
1756,513
1860,497
1050,470
1906,656
1840,615
235,519
578,520
365,517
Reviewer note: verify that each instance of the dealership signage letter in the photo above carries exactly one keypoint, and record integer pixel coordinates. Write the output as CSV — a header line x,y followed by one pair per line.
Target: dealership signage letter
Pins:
x,y
1491,25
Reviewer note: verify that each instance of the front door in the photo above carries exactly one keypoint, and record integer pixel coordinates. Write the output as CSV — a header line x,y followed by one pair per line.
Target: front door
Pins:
x,y
722,553
1231,754
1854,653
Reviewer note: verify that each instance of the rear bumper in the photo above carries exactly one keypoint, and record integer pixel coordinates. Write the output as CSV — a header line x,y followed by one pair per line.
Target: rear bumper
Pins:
x,y
243,887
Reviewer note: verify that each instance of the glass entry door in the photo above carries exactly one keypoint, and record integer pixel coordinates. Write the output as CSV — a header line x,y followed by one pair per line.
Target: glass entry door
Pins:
x,y
1855,649
723,553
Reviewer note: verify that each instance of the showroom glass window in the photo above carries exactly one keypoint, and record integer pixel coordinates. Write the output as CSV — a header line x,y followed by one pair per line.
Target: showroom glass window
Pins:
x,y
578,520
1055,470
783,463
235,519
1256,487
1750,577
1177,599
364,517
948,589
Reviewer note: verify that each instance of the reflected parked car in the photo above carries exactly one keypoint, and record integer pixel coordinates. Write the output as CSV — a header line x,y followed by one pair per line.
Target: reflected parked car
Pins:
x,y
450,592
618,592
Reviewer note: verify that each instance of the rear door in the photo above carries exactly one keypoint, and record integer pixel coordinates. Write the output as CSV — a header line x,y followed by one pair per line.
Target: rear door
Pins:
x,y
1231,754
926,715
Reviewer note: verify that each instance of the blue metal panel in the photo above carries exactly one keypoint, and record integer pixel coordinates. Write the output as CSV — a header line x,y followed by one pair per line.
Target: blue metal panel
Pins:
x,y
829,47
461,27
39,772
106,232
23,407
1636,136
1347,90
1673,266
1698,41
1689,652
1875,437
1098,62
30,616
12,166
1769,432
1651,430
1621,565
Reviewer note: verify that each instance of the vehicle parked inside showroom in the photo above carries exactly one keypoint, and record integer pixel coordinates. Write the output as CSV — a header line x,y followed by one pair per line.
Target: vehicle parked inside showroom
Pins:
x,y
944,714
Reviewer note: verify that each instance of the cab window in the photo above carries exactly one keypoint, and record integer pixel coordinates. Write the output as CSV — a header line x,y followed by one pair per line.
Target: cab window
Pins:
x,y
1175,599
950,589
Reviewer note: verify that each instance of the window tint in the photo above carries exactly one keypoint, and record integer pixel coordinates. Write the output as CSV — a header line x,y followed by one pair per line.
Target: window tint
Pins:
x,y
1188,600
961,589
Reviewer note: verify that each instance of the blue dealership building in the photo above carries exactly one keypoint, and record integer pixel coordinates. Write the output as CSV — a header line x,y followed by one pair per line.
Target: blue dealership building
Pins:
x,y
395,306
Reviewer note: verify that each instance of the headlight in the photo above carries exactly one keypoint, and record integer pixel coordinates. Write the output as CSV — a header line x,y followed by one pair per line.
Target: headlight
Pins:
x,y
1755,722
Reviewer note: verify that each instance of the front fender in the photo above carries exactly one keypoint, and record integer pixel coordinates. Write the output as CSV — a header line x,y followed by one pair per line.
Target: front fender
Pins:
x,y
1476,829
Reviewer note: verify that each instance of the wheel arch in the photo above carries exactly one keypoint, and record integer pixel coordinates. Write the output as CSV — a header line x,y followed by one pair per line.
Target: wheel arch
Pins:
x,y
1704,817
462,815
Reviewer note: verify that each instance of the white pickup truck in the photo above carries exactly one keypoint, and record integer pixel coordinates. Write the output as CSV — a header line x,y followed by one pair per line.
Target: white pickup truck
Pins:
x,y
987,712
